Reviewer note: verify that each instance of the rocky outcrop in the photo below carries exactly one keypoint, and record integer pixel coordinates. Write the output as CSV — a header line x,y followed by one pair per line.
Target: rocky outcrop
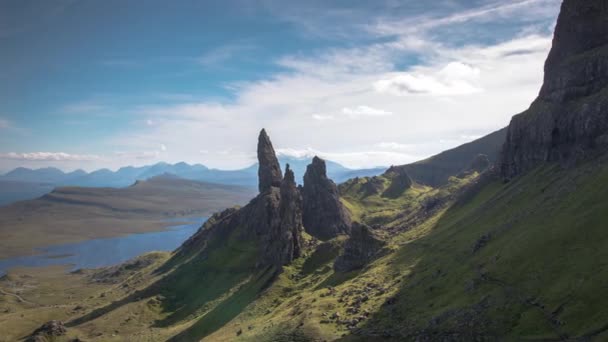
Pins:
x,y
273,219
400,181
569,120
324,216
48,332
373,186
362,247
269,171
290,229
480,163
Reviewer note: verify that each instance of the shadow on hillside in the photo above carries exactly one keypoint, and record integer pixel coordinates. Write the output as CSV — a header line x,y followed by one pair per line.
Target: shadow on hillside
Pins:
x,y
192,288
442,257
228,309
495,263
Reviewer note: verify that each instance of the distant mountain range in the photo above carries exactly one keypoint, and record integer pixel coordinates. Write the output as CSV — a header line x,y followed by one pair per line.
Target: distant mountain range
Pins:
x,y
23,183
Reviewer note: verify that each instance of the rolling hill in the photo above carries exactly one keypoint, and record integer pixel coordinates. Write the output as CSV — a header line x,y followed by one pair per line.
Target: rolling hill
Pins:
x,y
71,214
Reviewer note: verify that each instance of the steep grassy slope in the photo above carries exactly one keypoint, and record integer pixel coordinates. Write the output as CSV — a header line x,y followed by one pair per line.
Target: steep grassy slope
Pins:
x,y
521,261
525,260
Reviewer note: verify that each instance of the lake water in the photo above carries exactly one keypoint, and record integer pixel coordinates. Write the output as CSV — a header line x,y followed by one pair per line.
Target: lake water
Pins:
x,y
107,252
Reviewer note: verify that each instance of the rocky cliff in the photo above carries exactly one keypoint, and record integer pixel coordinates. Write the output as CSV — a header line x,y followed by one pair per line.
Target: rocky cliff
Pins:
x,y
569,119
324,215
273,219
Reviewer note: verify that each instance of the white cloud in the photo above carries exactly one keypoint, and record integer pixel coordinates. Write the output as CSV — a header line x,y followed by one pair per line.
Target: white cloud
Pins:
x,y
310,109
456,78
49,156
395,146
4,123
357,112
360,111
163,148
312,105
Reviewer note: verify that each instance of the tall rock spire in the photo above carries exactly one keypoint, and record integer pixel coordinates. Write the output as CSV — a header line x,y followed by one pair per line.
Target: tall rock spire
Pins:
x,y
324,216
269,172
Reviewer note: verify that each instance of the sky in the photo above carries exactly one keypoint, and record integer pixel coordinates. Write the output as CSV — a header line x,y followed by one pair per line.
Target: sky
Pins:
x,y
104,84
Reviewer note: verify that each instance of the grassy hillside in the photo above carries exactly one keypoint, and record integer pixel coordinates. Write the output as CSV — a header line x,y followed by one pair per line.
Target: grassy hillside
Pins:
x,y
72,214
436,170
474,260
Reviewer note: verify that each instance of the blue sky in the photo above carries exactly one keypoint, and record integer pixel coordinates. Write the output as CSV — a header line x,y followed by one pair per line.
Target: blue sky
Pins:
x,y
90,84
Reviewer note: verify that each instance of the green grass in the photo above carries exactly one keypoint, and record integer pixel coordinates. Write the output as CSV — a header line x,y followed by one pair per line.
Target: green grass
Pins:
x,y
541,274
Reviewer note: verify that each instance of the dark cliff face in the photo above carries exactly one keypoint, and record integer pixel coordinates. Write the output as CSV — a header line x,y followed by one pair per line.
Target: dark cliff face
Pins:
x,y
569,120
324,215
273,219
269,171
577,66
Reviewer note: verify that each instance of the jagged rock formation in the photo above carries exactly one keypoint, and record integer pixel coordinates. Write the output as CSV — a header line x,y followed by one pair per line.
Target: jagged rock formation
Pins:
x,y
289,232
269,171
48,332
273,219
569,119
400,181
480,163
324,215
373,186
362,247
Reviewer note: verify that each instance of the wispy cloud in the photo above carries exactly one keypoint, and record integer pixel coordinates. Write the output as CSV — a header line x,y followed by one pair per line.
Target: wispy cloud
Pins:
x,y
218,56
4,123
49,156
512,11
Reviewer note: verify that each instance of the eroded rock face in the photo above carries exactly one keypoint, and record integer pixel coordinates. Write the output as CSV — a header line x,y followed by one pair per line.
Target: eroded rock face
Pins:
x,y
290,229
569,120
269,172
324,216
273,219
400,181
362,247
577,65
48,330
